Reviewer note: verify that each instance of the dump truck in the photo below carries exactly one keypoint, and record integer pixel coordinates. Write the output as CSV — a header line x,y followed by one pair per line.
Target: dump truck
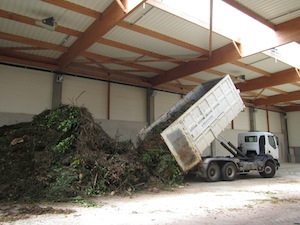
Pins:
x,y
203,114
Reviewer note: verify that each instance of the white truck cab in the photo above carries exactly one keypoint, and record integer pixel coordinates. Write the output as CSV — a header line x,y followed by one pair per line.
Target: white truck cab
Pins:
x,y
258,143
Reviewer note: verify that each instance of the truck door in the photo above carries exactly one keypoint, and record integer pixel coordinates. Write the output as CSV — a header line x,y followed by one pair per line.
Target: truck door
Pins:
x,y
272,146
262,145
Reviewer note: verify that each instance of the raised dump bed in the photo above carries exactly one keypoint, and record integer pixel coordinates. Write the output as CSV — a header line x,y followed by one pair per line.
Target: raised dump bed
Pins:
x,y
216,104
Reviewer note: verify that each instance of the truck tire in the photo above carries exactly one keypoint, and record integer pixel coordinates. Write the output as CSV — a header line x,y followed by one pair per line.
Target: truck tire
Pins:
x,y
213,172
269,170
229,171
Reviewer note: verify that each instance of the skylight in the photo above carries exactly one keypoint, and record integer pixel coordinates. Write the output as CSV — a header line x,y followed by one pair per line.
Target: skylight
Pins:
x,y
238,26
288,53
226,19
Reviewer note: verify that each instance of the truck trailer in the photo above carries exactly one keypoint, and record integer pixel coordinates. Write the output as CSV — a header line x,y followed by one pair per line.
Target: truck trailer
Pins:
x,y
211,107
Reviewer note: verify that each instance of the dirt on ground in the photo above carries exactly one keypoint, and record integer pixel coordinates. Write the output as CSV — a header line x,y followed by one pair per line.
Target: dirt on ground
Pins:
x,y
250,199
62,168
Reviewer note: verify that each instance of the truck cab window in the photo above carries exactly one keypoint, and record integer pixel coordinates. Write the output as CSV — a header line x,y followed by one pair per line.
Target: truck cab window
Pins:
x,y
250,138
272,141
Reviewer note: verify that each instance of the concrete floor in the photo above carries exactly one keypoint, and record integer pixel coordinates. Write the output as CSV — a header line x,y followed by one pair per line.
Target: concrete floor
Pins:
x,y
249,200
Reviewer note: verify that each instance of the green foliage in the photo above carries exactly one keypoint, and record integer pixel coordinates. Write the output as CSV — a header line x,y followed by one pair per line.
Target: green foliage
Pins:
x,y
85,203
63,185
76,161
65,144
152,157
163,165
63,118
169,170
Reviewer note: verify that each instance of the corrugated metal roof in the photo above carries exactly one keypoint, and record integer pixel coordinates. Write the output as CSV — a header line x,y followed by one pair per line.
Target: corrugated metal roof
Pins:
x,y
271,65
31,32
289,87
174,26
265,92
146,42
44,53
234,70
149,51
159,65
204,76
40,10
249,60
113,52
113,66
98,6
276,11
143,74
12,44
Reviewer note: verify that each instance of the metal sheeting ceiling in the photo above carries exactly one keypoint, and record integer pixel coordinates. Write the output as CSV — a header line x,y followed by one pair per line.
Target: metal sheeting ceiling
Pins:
x,y
276,11
175,26
146,42
145,54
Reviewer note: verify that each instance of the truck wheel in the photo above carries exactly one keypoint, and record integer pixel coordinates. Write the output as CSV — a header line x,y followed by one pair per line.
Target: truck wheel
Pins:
x,y
229,171
213,172
269,170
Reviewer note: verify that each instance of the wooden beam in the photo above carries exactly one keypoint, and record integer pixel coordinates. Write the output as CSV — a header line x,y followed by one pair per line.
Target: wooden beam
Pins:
x,y
28,41
291,96
167,59
185,16
27,62
107,71
111,17
104,76
74,7
68,31
250,13
31,21
193,79
132,49
20,48
162,37
210,27
282,77
255,95
292,108
252,68
277,90
29,57
124,63
285,33
220,56
296,84
298,72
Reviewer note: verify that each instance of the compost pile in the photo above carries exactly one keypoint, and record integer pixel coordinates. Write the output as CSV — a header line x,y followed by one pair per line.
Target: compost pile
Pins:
x,y
64,154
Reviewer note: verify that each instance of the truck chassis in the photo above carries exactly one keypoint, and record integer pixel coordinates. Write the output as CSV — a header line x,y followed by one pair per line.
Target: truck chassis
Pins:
x,y
227,168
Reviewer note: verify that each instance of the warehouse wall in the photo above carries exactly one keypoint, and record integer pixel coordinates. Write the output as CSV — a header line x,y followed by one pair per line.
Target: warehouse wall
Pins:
x,y
121,109
163,102
23,93
293,136
91,94
242,121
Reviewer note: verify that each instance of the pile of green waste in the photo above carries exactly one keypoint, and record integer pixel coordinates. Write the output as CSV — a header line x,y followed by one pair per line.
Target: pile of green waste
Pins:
x,y
63,154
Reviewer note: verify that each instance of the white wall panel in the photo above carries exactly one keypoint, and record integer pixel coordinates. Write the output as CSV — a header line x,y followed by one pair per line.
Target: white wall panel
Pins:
x,y
163,102
128,103
24,90
261,120
293,124
242,121
275,122
91,94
